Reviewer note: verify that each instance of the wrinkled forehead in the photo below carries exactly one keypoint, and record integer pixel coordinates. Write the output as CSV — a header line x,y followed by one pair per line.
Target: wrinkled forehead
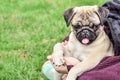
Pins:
x,y
86,15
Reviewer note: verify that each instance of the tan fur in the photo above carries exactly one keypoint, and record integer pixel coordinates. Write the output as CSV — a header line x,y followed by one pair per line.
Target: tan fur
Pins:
x,y
86,14
89,55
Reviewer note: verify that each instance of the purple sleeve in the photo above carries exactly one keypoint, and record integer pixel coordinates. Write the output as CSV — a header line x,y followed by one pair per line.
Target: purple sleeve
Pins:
x,y
65,39
69,67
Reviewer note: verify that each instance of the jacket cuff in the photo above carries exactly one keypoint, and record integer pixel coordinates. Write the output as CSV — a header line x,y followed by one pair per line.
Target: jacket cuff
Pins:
x,y
69,67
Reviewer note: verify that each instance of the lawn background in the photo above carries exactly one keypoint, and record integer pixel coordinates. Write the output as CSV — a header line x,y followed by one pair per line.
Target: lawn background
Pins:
x,y
28,31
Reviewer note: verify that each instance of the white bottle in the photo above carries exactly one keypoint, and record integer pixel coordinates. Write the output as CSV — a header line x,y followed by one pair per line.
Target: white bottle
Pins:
x,y
49,71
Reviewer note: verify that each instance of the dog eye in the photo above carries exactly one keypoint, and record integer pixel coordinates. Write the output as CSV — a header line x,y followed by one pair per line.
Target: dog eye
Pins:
x,y
95,27
76,26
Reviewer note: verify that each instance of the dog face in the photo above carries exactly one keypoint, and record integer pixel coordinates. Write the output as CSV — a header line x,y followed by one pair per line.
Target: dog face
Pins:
x,y
86,22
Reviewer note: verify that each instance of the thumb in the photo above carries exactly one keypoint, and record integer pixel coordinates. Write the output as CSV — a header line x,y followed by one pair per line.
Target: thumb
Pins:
x,y
50,58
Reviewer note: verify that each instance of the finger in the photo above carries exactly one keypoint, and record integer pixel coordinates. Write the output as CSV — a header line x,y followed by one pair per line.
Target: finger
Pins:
x,y
65,43
64,77
50,58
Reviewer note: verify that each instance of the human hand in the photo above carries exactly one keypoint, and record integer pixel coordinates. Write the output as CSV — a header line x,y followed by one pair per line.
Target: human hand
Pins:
x,y
68,61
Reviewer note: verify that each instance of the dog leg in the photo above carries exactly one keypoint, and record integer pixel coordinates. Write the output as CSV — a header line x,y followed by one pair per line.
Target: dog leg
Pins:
x,y
58,52
84,66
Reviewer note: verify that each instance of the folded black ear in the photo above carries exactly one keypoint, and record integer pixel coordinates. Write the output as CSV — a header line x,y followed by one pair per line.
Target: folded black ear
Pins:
x,y
103,14
68,15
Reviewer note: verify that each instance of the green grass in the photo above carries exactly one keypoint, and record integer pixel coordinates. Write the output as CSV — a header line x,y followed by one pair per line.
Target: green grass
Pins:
x,y
28,31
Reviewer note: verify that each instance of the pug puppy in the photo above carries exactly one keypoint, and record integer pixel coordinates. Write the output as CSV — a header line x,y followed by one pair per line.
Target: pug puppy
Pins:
x,y
88,41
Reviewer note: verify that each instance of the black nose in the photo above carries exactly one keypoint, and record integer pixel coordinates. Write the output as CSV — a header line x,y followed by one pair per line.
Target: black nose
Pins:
x,y
85,33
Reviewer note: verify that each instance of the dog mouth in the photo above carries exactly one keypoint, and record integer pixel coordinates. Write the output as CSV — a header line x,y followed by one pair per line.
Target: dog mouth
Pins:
x,y
86,36
85,41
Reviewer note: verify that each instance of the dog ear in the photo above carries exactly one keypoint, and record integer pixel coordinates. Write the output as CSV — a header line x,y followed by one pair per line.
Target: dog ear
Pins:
x,y
68,15
103,14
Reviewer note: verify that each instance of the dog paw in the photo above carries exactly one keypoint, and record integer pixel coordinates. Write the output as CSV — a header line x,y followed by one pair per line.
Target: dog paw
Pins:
x,y
58,60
